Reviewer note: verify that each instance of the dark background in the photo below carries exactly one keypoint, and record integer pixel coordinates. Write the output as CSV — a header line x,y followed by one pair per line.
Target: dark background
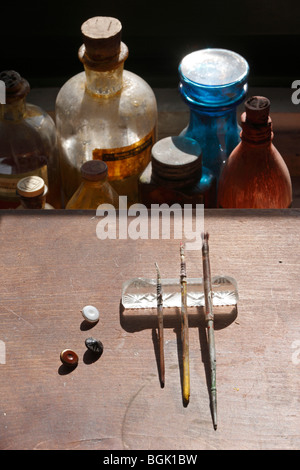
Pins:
x,y
41,39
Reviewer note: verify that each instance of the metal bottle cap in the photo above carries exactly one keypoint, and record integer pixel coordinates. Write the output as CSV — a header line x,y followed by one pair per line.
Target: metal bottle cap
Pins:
x,y
31,186
177,159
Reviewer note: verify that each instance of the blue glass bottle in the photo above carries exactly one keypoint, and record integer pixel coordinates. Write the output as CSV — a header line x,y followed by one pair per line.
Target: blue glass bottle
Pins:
x,y
212,83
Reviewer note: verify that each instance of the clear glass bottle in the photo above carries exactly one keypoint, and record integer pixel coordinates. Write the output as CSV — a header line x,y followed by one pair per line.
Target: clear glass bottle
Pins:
x,y
255,174
105,112
175,175
32,193
212,83
28,143
94,188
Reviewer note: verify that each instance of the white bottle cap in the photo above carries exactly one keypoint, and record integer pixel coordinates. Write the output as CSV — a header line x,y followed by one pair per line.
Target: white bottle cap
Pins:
x,y
31,186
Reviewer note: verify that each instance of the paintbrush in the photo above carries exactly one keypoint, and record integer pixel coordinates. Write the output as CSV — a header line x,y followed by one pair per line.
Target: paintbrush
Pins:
x,y
160,327
209,317
184,329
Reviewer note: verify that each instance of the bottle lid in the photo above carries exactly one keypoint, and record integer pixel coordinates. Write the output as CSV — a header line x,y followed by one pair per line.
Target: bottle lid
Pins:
x,y
257,109
94,170
213,78
177,159
31,186
256,121
16,86
214,67
102,46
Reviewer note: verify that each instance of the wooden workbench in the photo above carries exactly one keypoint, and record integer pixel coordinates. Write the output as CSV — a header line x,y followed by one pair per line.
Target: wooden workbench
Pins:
x,y
52,264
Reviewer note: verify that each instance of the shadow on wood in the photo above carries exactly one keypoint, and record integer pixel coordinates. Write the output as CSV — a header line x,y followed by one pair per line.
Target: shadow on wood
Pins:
x,y
142,319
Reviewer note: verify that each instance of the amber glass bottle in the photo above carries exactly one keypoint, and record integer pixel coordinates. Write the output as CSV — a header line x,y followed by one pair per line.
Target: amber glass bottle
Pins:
x,y
32,192
28,143
94,188
105,113
255,174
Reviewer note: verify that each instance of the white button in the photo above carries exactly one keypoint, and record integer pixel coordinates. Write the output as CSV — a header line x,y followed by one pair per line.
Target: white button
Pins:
x,y
90,313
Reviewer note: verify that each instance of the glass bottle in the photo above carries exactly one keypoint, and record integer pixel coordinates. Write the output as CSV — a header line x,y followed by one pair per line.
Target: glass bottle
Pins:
x,y
32,193
255,174
28,143
105,112
212,83
175,175
94,188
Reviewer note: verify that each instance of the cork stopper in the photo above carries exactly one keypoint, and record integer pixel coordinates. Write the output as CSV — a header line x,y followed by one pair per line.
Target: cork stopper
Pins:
x,y
102,42
94,170
257,109
256,121
16,86
31,186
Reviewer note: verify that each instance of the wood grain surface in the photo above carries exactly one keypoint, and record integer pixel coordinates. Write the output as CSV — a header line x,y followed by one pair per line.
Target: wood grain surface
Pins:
x,y
53,264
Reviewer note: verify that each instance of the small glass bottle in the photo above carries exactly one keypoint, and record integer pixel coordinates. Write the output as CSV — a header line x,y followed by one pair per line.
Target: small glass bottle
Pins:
x,y
255,174
176,175
105,112
212,83
28,143
32,193
94,188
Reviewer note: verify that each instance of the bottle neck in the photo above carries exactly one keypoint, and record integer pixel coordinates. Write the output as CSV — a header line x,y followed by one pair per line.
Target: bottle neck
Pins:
x,y
254,133
212,123
37,202
104,83
13,111
93,184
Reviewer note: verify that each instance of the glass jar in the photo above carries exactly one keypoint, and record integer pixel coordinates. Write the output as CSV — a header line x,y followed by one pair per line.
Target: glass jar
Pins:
x,y
212,83
28,143
32,193
105,112
255,174
176,175
94,188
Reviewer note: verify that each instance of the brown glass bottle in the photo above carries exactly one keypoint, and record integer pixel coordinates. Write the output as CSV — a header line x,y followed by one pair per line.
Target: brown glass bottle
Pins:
x,y
255,174
27,143
176,175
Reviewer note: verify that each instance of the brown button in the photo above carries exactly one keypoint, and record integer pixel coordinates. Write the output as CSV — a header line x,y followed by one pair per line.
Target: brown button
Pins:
x,y
69,358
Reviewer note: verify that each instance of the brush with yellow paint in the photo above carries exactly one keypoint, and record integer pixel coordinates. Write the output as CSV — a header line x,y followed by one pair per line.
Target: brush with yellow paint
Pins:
x,y
184,329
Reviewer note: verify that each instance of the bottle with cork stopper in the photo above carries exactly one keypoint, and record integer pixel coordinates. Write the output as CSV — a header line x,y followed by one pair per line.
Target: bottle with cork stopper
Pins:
x,y
28,143
255,174
32,193
105,113
94,188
